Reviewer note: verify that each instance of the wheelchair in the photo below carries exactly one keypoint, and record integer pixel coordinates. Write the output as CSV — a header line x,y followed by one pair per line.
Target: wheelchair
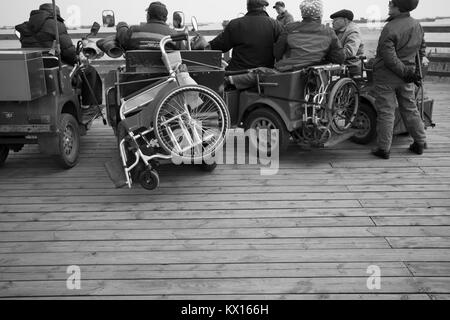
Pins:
x,y
314,106
172,119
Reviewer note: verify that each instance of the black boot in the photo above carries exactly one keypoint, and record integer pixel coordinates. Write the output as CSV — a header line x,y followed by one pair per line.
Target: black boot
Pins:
x,y
386,155
418,148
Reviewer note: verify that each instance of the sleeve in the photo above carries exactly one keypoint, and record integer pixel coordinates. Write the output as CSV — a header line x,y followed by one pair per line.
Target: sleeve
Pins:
x,y
289,18
336,52
123,34
389,54
280,46
68,50
423,47
352,45
223,41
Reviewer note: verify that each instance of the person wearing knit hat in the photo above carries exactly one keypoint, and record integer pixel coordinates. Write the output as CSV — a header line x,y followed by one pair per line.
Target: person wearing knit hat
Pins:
x,y
312,9
401,48
147,36
351,38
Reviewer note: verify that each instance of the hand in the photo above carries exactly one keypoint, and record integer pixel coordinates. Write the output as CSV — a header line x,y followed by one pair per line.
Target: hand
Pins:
x,y
199,43
412,77
425,62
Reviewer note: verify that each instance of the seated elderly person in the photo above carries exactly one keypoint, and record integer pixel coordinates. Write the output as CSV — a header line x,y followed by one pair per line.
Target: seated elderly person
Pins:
x,y
350,35
147,36
301,45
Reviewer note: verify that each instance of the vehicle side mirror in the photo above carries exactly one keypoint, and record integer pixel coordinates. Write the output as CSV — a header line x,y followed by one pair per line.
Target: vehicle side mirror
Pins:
x,y
109,19
95,29
194,24
17,33
179,20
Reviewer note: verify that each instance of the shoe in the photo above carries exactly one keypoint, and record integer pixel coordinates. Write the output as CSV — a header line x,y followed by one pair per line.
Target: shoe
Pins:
x,y
91,113
386,155
418,148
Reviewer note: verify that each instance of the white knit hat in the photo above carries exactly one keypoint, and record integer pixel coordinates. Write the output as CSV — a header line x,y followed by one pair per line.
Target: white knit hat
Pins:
x,y
311,9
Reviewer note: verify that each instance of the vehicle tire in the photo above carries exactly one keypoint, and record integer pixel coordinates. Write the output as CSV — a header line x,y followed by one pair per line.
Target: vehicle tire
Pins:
x,y
4,151
149,179
208,167
264,118
68,142
366,121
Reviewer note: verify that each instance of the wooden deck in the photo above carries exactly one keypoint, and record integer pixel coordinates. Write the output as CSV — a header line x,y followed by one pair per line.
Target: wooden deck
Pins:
x,y
309,232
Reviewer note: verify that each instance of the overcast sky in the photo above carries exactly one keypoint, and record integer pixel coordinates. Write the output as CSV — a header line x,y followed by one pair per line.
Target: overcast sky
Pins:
x,y
133,11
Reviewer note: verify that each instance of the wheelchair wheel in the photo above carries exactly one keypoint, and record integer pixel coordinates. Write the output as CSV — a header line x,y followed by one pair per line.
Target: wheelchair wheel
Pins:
x,y
149,179
4,151
191,122
366,124
343,105
208,167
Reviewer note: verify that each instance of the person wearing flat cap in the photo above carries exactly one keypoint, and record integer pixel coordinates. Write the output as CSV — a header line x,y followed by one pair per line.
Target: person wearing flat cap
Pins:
x,y
401,48
284,17
147,36
350,35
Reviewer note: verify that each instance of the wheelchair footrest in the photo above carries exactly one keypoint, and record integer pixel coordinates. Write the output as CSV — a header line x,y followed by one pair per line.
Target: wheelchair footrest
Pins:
x,y
116,173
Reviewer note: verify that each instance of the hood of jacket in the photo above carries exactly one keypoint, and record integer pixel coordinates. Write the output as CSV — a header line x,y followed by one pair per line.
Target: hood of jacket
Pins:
x,y
39,17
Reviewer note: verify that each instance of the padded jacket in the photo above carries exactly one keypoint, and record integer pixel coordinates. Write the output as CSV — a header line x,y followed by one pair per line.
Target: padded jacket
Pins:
x,y
401,40
252,38
307,43
40,32
351,40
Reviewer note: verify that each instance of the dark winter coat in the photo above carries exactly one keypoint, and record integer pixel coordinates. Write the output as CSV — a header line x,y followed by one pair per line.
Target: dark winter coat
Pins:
x,y
252,38
401,40
40,32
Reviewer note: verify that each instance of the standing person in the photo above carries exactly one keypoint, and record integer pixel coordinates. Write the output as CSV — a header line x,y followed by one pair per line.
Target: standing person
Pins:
x,y
251,37
350,35
284,17
402,39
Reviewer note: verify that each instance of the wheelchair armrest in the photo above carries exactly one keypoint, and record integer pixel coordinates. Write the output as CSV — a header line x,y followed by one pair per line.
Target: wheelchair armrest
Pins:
x,y
236,73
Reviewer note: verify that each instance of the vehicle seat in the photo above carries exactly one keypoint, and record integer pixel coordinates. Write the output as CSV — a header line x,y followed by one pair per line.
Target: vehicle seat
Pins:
x,y
290,85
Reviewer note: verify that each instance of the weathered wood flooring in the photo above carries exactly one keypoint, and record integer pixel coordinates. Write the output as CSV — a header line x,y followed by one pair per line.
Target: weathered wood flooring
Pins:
x,y
309,232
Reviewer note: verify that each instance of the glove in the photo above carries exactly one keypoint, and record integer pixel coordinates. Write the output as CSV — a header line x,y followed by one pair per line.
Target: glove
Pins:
x,y
199,43
412,77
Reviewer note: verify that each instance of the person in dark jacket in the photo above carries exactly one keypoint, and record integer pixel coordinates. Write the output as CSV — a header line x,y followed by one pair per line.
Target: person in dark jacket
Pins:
x,y
401,45
40,32
251,38
146,36
301,45
284,17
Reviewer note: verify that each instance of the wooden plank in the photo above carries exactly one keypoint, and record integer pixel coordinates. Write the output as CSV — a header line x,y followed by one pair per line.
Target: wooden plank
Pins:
x,y
429,269
186,224
221,214
419,243
436,29
226,286
186,234
412,221
193,245
221,257
439,73
202,271
438,44
240,297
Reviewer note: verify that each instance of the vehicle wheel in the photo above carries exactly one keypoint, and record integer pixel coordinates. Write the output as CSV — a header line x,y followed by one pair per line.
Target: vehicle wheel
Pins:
x,y
68,141
263,118
366,123
191,122
208,167
149,179
4,151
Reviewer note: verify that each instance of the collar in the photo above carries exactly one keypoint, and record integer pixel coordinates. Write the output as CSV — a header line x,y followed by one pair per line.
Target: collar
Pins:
x,y
156,21
257,12
399,16
308,19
